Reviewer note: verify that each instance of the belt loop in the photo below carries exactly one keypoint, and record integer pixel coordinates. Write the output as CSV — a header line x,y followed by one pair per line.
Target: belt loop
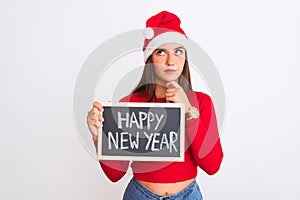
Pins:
x,y
164,198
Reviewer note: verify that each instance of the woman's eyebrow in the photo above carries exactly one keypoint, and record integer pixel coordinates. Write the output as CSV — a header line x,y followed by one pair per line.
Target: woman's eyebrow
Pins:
x,y
159,49
180,47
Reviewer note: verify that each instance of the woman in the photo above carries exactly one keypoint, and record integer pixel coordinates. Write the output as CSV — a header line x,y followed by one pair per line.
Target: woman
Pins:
x,y
166,78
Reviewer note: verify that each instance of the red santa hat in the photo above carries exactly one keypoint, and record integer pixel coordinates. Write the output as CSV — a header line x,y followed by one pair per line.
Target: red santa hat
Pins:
x,y
160,29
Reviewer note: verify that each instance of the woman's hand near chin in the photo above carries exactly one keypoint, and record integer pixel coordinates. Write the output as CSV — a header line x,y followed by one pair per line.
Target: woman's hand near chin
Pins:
x,y
176,94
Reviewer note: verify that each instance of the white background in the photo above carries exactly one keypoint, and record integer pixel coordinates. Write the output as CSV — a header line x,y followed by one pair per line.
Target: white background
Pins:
x,y
255,46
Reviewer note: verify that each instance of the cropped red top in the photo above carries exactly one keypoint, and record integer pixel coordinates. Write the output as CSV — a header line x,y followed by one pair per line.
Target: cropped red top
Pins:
x,y
202,148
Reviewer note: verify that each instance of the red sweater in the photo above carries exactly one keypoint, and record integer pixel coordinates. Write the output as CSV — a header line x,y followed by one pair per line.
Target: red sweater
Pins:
x,y
202,148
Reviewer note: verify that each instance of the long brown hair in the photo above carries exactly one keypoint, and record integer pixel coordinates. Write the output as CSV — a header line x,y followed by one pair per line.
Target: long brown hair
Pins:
x,y
147,83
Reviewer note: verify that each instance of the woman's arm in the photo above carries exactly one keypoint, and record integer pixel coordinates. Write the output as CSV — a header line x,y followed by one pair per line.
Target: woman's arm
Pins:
x,y
114,170
203,135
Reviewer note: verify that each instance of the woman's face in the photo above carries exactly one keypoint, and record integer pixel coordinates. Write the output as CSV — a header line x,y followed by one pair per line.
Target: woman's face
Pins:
x,y
168,60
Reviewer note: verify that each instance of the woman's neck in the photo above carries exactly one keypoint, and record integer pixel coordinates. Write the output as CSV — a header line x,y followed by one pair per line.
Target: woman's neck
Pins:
x,y
160,91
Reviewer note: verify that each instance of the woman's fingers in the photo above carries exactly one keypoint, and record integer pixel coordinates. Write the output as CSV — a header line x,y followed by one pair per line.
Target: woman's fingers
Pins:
x,y
94,122
94,126
173,90
97,105
173,84
176,94
170,94
95,115
96,112
95,119
171,98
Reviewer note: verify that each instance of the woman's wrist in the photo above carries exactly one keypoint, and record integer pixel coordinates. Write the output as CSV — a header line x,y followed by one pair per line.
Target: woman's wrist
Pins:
x,y
95,139
192,113
187,107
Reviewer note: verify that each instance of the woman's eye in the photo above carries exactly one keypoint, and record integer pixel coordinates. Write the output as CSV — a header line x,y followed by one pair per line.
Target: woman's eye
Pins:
x,y
160,52
178,51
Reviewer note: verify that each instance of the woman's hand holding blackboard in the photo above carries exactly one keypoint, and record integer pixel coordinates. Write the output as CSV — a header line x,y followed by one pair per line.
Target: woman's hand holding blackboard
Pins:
x,y
95,119
176,94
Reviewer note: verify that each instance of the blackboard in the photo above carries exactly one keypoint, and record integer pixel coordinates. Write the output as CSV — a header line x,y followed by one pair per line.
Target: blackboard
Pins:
x,y
142,132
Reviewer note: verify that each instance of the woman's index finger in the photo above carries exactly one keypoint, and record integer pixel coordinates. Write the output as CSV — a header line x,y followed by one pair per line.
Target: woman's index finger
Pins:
x,y
172,84
98,106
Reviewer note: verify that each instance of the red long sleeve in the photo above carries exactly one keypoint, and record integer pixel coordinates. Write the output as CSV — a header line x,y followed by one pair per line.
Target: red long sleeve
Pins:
x,y
114,169
203,136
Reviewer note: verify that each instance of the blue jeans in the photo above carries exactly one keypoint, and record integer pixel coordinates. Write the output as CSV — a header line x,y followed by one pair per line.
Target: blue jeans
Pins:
x,y
136,191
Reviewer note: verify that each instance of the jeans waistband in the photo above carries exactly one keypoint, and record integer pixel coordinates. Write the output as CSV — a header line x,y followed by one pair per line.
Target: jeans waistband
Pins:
x,y
180,195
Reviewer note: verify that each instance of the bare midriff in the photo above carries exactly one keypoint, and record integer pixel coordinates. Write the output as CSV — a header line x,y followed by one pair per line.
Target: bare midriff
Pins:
x,y
166,188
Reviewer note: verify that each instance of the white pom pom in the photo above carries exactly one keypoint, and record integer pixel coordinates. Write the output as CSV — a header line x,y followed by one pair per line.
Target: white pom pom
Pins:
x,y
148,33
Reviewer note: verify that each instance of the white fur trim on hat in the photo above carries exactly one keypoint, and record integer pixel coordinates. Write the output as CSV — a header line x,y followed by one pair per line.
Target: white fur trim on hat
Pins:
x,y
167,37
148,33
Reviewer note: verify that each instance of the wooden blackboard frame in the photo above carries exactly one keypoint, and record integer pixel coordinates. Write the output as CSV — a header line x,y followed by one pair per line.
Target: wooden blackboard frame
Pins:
x,y
179,158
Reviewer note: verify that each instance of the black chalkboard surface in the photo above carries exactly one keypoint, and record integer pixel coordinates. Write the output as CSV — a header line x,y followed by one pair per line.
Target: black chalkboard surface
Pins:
x,y
142,132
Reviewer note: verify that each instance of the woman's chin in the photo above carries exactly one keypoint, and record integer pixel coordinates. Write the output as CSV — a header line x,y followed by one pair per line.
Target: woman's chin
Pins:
x,y
172,79
167,79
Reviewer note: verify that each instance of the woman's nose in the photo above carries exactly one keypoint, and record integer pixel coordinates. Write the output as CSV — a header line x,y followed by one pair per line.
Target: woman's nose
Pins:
x,y
170,59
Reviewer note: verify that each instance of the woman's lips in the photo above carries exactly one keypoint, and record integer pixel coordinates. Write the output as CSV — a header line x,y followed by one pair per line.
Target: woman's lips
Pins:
x,y
170,71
